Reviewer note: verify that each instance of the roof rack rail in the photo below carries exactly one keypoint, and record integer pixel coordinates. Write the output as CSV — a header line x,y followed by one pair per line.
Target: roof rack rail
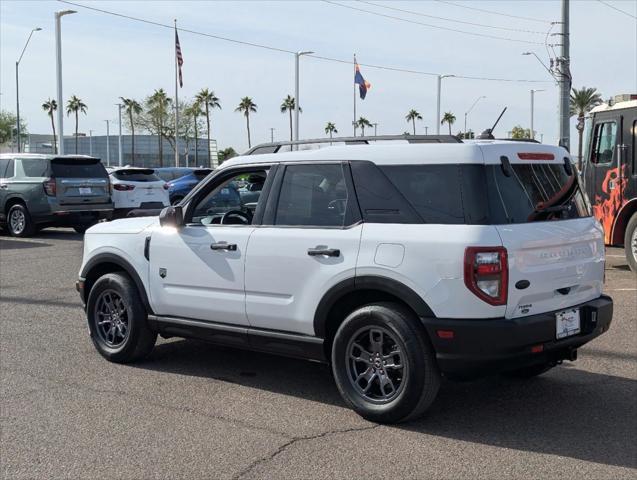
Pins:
x,y
275,147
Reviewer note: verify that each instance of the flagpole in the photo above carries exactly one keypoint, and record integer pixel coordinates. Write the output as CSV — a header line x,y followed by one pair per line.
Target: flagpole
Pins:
x,y
354,122
176,100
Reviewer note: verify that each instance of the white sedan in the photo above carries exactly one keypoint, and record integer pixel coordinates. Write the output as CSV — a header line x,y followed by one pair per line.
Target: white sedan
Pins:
x,y
137,188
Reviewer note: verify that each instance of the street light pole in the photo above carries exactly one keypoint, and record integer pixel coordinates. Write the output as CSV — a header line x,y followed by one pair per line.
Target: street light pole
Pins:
x,y
468,112
90,143
440,77
426,130
119,139
375,128
297,56
17,89
58,68
108,143
532,109
271,134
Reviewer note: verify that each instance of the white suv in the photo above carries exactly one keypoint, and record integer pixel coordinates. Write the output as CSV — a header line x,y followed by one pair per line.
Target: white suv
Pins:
x,y
395,263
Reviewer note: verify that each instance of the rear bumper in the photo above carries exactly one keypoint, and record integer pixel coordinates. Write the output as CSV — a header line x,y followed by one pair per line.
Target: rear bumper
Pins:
x,y
481,347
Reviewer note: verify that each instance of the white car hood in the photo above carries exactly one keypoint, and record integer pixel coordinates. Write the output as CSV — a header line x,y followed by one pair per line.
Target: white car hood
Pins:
x,y
124,225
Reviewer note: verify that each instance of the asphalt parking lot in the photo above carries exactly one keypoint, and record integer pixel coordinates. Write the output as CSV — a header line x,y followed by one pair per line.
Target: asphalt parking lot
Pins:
x,y
192,410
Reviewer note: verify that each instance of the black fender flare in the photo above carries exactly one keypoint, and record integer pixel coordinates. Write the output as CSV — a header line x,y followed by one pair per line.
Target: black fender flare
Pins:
x,y
103,258
367,282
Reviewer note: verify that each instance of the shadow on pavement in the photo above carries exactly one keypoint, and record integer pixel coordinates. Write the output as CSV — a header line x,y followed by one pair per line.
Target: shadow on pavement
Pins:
x,y
567,412
20,244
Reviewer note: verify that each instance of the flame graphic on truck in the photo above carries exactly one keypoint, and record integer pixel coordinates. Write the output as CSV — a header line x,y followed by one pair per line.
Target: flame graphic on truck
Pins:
x,y
607,205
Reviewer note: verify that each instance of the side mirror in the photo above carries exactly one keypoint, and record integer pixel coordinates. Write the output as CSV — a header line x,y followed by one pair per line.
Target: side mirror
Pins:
x,y
172,216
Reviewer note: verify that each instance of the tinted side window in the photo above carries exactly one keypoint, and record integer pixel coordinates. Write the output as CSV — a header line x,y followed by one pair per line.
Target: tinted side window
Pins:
x,y
434,191
10,169
604,141
35,167
4,162
313,195
635,147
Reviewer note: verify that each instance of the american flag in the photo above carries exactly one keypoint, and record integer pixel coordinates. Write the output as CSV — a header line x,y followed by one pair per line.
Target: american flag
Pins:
x,y
180,59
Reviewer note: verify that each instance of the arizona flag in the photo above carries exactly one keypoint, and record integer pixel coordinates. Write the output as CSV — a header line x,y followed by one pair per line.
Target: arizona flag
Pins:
x,y
180,58
363,85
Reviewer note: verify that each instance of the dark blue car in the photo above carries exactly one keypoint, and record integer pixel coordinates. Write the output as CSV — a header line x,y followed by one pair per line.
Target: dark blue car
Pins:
x,y
179,188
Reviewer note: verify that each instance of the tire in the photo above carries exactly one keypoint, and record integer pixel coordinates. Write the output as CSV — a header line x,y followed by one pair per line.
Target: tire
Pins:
x,y
19,222
530,372
81,228
414,384
630,243
131,339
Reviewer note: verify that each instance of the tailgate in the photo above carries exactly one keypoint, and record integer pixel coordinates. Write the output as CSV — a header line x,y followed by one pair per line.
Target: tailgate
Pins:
x,y
81,180
563,262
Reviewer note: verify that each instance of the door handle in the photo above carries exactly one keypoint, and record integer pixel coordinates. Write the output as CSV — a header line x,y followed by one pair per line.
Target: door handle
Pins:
x,y
229,247
328,252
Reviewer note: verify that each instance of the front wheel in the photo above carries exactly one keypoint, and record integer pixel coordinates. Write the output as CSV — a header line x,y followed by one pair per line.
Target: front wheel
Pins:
x,y
384,365
630,243
117,319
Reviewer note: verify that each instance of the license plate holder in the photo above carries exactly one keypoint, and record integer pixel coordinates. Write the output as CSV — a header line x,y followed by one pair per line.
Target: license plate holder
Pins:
x,y
85,190
567,323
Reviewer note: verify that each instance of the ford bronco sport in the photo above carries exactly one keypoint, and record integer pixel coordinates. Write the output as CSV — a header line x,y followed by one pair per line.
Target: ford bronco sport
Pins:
x,y
397,264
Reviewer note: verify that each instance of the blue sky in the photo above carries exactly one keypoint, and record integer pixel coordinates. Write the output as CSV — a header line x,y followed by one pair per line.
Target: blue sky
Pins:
x,y
106,57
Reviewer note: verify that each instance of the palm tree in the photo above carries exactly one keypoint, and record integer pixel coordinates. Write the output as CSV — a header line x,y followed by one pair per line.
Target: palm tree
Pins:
x,y
132,107
362,123
49,107
583,101
288,105
158,105
226,154
75,105
448,118
246,106
412,116
208,100
330,128
194,111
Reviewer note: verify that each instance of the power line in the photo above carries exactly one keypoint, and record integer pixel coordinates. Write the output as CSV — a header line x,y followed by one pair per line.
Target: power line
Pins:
x,y
282,50
420,14
618,9
433,26
493,12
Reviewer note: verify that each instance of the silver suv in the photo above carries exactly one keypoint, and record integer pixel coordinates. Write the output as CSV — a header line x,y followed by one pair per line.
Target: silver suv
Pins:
x,y
39,191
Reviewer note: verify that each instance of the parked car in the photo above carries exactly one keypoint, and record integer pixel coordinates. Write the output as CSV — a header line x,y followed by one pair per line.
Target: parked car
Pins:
x,y
251,192
397,264
137,189
39,191
178,189
168,174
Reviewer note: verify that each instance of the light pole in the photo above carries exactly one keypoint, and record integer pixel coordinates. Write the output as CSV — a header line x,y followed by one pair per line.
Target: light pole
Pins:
x,y
119,138
539,60
532,109
58,68
468,112
426,130
297,55
90,143
108,142
272,134
375,128
440,77
17,89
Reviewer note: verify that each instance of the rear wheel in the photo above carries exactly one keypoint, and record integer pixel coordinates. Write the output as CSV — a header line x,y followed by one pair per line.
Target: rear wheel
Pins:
x,y
117,319
383,364
19,222
630,243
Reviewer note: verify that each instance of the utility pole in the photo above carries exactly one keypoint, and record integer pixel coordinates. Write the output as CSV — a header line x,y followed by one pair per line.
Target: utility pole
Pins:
x,y
375,129
119,138
271,134
426,130
438,123
58,68
297,105
108,142
564,80
90,143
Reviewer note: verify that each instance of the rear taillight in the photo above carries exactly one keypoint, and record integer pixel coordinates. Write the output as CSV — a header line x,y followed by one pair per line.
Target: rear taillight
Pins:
x,y
49,187
486,273
122,187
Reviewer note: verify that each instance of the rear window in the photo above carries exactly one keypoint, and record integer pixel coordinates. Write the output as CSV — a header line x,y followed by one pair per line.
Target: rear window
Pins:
x,y
78,168
533,192
137,175
35,167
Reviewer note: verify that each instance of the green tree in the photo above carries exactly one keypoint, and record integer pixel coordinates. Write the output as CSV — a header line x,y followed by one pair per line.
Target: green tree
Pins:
x,y
156,118
362,122
49,107
192,112
247,106
288,105
519,132
412,116
8,126
226,154
582,101
75,105
330,129
448,118
132,108
208,101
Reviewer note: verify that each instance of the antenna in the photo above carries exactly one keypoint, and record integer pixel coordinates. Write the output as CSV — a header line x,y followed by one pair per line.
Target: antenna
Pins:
x,y
488,133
